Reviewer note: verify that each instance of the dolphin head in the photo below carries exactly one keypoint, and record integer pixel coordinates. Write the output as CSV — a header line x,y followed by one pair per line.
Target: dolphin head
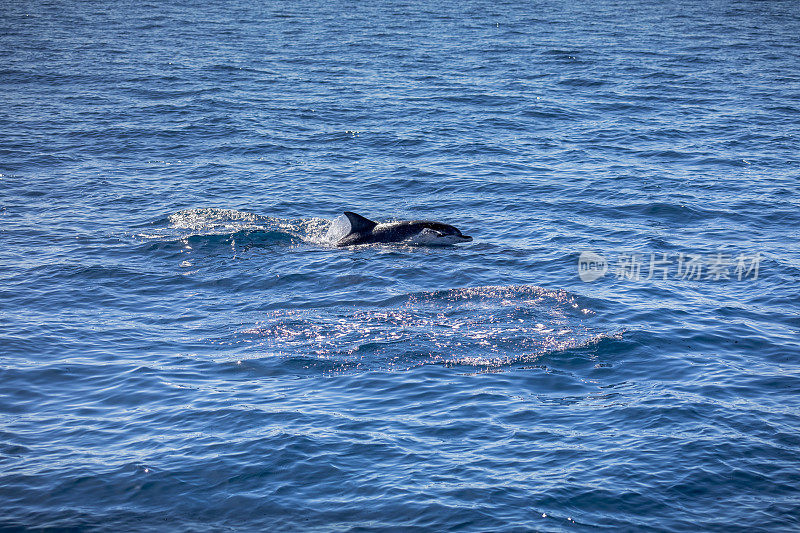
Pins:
x,y
438,234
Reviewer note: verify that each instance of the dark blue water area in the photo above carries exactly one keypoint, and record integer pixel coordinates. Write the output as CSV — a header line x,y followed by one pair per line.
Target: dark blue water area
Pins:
x,y
183,347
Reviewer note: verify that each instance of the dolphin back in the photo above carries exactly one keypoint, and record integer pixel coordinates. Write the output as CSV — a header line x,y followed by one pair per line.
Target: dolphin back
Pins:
x,y
420,232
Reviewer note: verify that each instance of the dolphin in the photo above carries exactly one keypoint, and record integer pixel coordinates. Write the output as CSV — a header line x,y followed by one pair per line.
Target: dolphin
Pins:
x,y
417,232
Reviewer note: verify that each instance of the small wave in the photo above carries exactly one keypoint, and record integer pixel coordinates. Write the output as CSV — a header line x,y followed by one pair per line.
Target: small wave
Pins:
x,y
581,82
243,238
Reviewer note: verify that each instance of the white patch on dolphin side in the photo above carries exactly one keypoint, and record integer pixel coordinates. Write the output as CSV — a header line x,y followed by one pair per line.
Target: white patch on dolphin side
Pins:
x,y
429,237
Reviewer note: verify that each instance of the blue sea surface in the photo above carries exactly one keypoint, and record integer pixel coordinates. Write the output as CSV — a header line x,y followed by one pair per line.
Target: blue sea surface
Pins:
x,y
183,347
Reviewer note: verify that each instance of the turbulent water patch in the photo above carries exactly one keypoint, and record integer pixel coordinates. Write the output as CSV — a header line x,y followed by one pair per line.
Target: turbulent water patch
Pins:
x,y
479,326
226,226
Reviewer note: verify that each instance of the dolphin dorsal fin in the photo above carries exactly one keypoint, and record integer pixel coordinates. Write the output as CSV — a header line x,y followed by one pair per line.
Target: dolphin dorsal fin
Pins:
x,y
359,224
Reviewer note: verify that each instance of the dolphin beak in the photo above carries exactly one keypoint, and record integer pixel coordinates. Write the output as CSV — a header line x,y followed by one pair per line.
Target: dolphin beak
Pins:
x,y
466,238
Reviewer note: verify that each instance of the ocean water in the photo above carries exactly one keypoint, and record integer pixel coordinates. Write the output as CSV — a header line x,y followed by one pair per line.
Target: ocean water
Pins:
x,y
183,348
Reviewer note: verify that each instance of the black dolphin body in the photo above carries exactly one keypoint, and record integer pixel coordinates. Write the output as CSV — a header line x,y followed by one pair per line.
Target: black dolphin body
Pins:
x,y
421,232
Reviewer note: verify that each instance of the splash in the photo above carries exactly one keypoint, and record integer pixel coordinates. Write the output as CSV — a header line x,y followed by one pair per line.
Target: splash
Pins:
x,y
211,218
337,230
223,226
